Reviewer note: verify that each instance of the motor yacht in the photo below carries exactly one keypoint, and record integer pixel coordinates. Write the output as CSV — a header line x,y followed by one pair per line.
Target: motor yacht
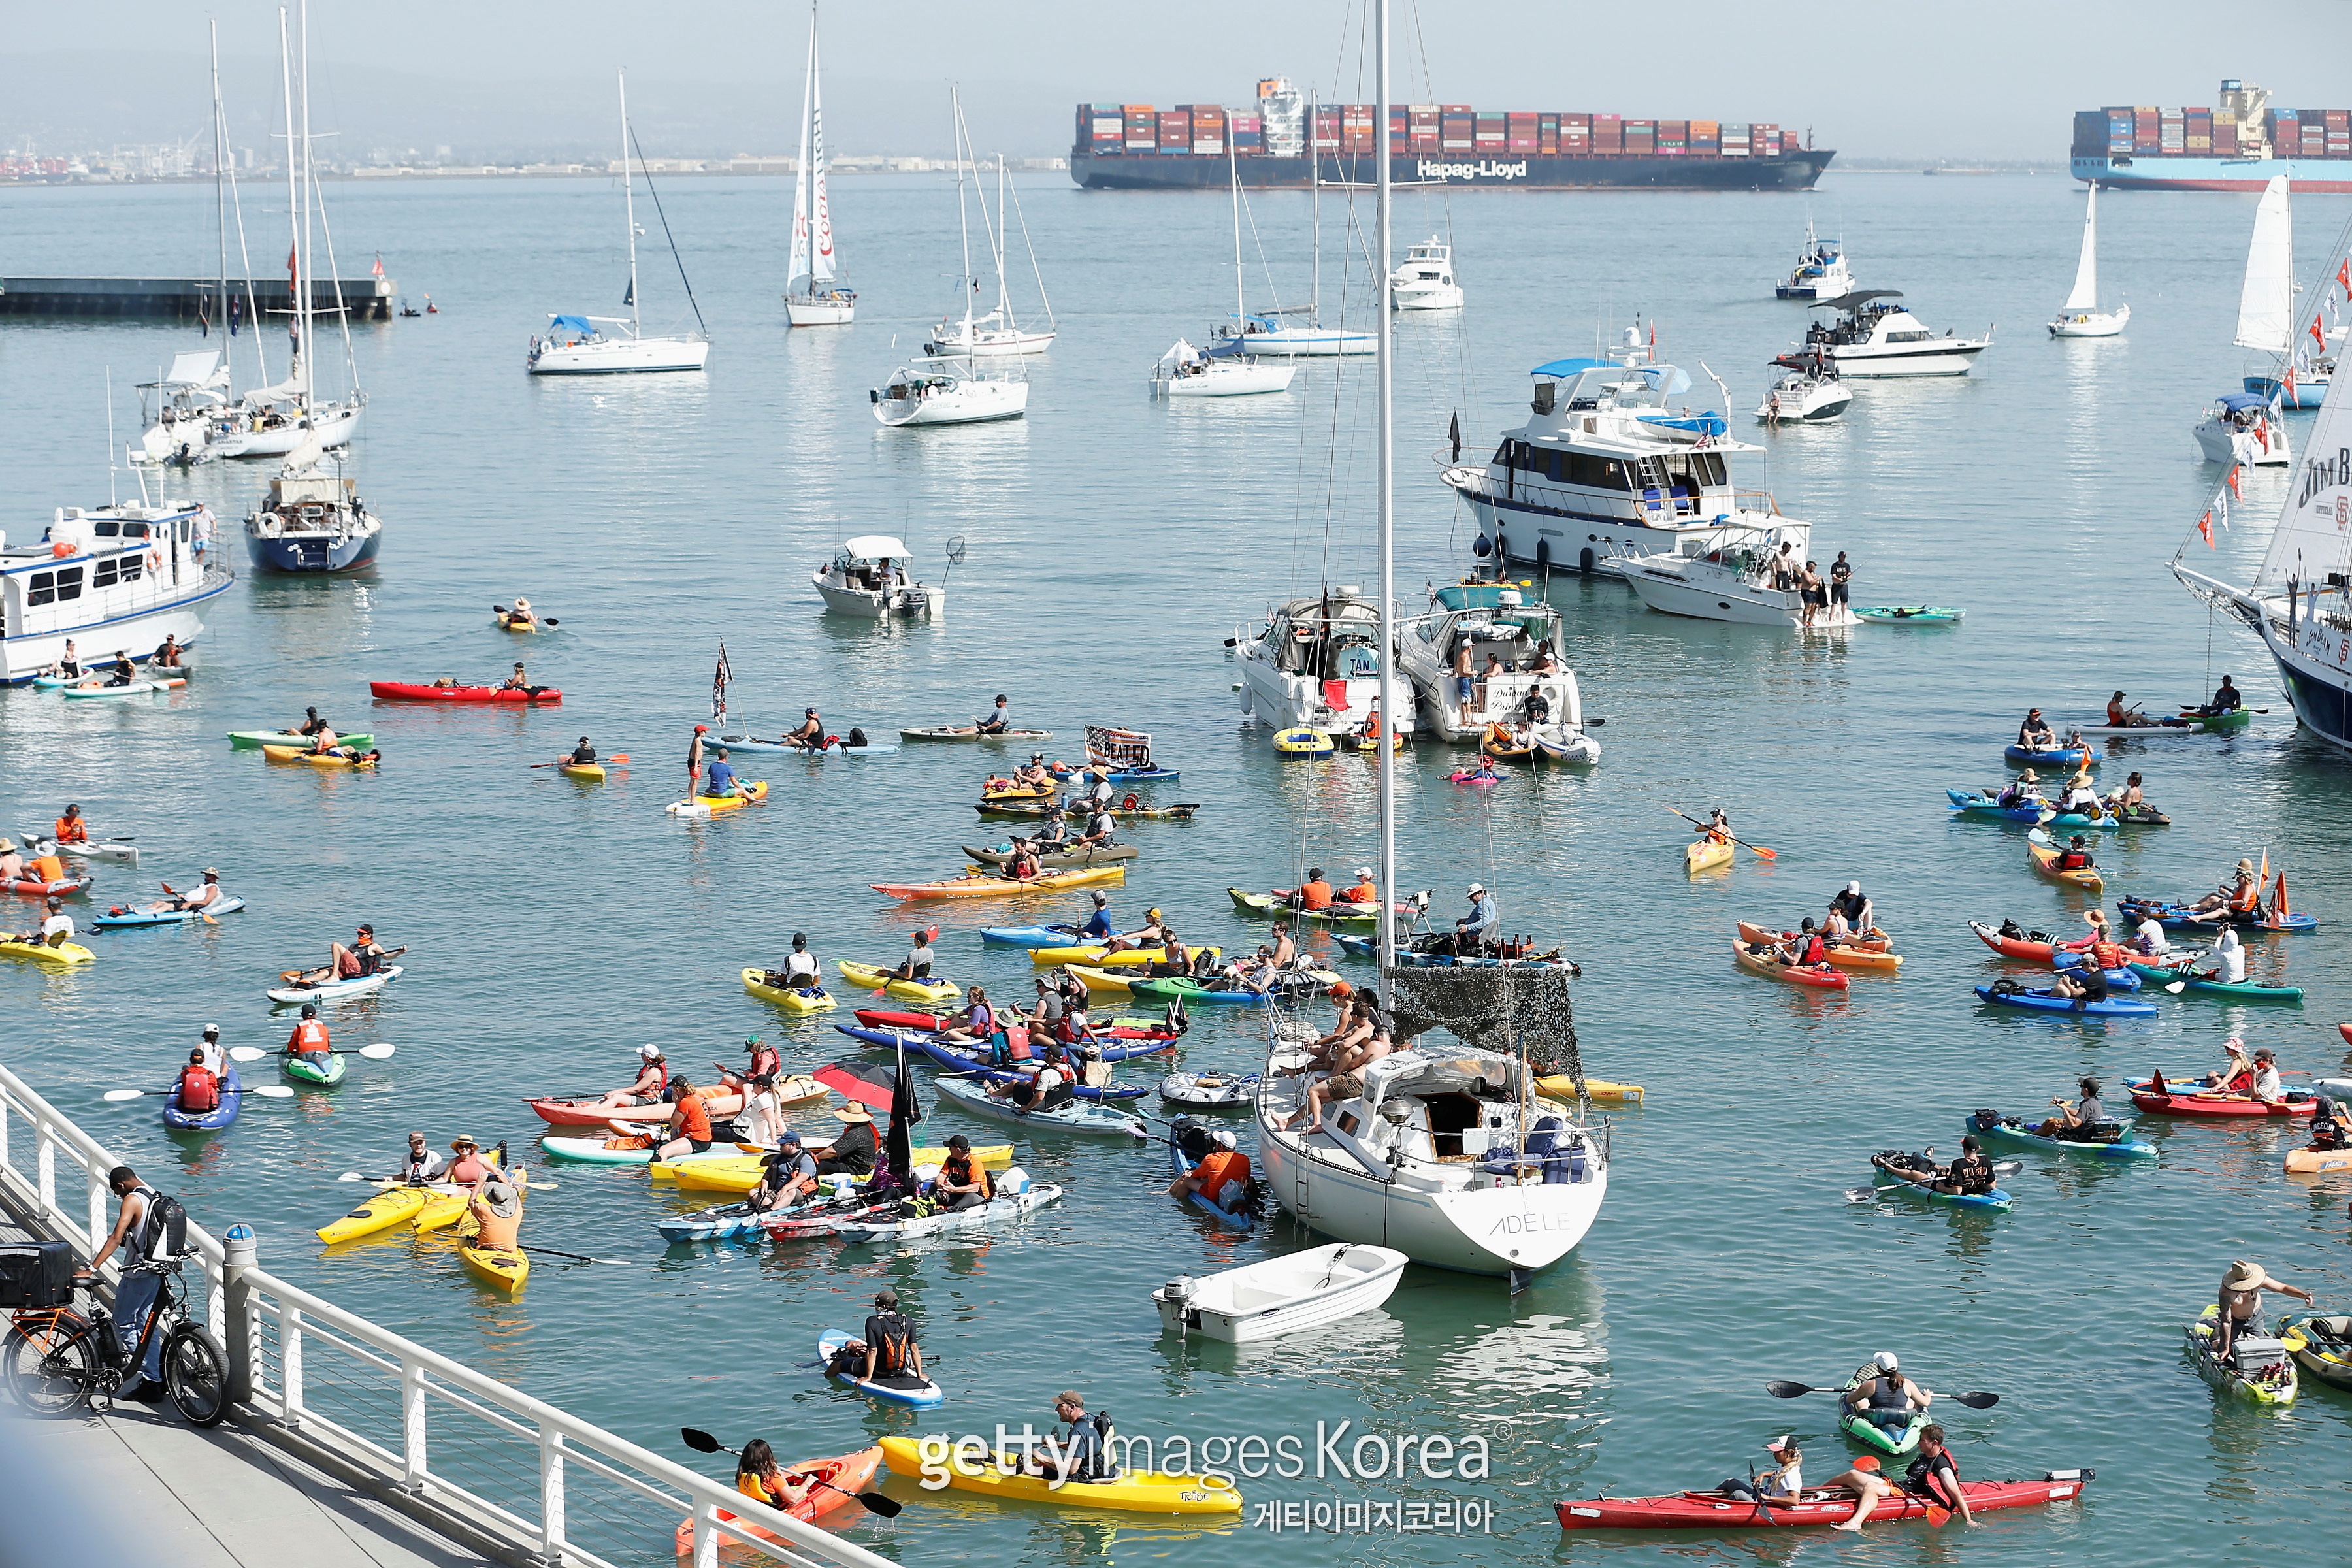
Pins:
x,y
1316,665
1730,579
1496,621
1874,337
1822,271
2242,427
872,577
1813,396
119,579
1425,281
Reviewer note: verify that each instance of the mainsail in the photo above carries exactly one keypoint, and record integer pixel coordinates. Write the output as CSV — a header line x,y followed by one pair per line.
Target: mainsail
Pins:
x,y
2266,304
800,261
2086,295
821,256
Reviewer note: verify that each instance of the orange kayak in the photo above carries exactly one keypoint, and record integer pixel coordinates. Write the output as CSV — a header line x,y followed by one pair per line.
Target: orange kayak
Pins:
x,y
843,1477
2046,860
1844,957
1001,886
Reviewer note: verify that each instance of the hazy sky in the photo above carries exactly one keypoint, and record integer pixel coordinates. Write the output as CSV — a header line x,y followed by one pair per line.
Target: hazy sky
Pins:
x,y
1998,80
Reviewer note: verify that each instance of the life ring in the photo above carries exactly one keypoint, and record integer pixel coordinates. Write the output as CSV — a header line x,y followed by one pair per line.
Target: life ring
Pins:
x,y
154,561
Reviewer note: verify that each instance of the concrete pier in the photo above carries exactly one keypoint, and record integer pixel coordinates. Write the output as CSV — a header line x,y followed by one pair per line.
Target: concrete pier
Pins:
x,y
186,298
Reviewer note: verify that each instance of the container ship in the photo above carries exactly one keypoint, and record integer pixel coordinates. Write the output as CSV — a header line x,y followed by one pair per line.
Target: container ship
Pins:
x,y
2238,146
1135,147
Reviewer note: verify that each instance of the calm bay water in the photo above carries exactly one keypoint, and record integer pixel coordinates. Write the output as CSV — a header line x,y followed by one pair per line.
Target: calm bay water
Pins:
x,y
1114,544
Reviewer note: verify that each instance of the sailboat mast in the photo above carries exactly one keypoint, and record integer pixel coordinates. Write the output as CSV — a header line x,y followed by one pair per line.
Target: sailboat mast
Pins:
x,y
629,203
293,211
1387,469
1233,163
1004,284
1315,180
220,173
309,193
963,223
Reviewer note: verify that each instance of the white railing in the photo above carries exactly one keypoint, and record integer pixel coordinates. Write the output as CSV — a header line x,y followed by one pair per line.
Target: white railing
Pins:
x,y
560,1488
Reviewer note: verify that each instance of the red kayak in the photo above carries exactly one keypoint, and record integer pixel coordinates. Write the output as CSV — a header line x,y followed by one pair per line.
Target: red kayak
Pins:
x,y
28,888
844,1477
2014,947
408,691
932,1023
575,1113
2345,1030
1713,1511
2172,1101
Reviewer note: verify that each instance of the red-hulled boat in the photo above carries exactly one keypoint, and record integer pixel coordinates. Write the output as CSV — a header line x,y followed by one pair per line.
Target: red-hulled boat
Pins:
x,y
1713,1511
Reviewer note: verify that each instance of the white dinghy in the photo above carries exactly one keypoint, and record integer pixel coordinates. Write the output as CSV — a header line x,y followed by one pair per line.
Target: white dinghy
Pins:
x,y
1282,1295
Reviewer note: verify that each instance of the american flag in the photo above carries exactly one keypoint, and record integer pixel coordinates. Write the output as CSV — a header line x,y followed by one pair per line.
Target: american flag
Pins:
x,y
718,679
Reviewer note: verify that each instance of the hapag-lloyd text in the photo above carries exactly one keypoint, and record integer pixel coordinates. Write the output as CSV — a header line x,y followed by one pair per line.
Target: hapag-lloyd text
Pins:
x,y
1484,169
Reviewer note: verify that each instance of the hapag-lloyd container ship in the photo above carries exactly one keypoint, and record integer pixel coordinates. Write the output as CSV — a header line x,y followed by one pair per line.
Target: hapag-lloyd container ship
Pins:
x,y
2237,146
1135,147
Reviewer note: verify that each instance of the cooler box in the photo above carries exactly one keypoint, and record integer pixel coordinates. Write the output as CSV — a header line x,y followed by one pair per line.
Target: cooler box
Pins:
x,y
36,1274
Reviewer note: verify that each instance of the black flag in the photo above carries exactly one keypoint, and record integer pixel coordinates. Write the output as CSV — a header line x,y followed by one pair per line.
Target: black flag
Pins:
x,y
899,1151
1453,434
630,297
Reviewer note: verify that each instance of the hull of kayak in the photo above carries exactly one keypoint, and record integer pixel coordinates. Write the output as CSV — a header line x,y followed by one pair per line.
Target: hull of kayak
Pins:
x,y
1995,1201
2325,1350
591,772
408,691
919,1391
873,1230
1840,957
334,990
1116,1029
1820,977
2135,911
588,1113
707,804
844,1477
2045,861
970,732
1713,1511
2014,947
1912,616
1122,812
1061,860
1137,1491
63,888
317,759
872,977
1077,1116
391,1206
515,623
2270,1388
501,1267
253,740
1210,1091
1003,887
2318,1161
926,1039
133,918
802,999
1103,980
1103,958
2045,1002
1972,804
232,1100
1705,853
1188,991
1346,913
1028,936
1877,1438
2245,991
2015,1136
923,1044
317,1074
2055,757
2174,1102
1562,1088
715,1173
63,954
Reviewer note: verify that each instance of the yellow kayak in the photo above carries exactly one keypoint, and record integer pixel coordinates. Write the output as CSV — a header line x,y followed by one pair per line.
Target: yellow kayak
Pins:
x,y
872,977
815,1000
1135,1491
1700,854
1562,1087
502,1268
42,952
515,623
995,886
741,1175
722,801
1102,980
2046,860
1103,958
315,758
389,1207
591,772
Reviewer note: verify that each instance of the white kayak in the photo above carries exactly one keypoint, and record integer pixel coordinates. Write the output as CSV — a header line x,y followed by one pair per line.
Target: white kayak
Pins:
x,y
39,842
1210,1091
1005,1208
1076,1116
1282,1295
334,990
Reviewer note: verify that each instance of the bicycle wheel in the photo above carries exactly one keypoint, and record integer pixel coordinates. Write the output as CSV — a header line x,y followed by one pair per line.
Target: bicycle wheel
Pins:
x,y
51,1366
195,1374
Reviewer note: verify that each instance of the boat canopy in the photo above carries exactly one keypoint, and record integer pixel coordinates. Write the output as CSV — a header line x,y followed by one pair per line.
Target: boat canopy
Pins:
x,y
1422,1072
876,547
1856,299
569,323
1567,367
2242,402
191,367
1707,424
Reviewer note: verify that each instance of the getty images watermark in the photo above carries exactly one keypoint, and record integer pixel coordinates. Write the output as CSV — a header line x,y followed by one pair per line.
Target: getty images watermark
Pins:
x,y
1222,1461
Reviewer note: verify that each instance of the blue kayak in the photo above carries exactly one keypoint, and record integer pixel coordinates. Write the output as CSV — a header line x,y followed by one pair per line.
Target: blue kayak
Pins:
x,y
1031,936
892,1390
2166,914
232,1100
1996,1200
968,1065
2084,755
1190,1141
1975,803
2010,1129
126,918
2044,1001
1125,775
2117,979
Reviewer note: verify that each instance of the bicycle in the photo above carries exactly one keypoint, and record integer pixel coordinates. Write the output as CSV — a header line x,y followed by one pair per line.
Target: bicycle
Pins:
x,y
58,1359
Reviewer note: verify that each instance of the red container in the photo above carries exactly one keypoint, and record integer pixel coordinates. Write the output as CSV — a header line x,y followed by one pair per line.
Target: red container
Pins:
x,y
1608,133
1175,130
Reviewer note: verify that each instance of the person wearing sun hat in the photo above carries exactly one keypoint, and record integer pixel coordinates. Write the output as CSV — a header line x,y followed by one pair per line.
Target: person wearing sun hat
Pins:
x,y
1782,1483
852,1152
2242,891
1366,891
2241,1303
2025,789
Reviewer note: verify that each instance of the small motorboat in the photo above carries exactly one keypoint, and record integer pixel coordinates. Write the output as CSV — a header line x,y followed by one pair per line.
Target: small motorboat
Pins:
x,y
871,576
1810,397
1281,1296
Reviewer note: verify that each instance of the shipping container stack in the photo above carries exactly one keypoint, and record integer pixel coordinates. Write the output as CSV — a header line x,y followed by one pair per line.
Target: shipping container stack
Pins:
x,y
1142,128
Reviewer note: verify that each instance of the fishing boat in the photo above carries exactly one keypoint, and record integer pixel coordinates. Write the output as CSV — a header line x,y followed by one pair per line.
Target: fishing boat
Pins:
x,y
581,345
1821,273
1874,337
1315,664
2247,426
826,301
1424,280
1730,578
2080,317
1495,621
117,579
871,576
1612,465
1809,396
1282,1295
945,390
998,334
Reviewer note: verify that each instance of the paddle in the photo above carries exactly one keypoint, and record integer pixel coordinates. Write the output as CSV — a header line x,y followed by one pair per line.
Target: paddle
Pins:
x,y
1864,1195
536,1186
270,1091
615,761
254,1052
543,620
1977,1401
200,915
572,1257
1762,853
873,1503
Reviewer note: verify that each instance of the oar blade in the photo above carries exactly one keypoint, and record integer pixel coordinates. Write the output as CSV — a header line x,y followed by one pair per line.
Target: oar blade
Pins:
x,y
1860,1194
1977,1401
701,1442
1789,1390
272,1091
875,1502
119,1095
245,1053
376,1053
1865,1462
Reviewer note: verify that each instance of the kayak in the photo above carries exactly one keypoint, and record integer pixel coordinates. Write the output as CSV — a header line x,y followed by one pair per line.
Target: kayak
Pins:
x,y
122,920
970,1064
880,1226
1842,957
2316,1161
2271,1386
1189,1143
249,740
1165,813
232,1100
799,999
517,623
2170,1101
908,1390
1028,936
1102,980
502,1268
410,691
1135,1491
38,843
2026,948
1858,1425
1189,990
1122,776
724,1223
739,1173
1562,1087
135,688
1976,802
872,977
1702,853
590,773
1822,976
705,805
1103,958
1304,745
1060,860
1996,1201
64,952
1908,614
2044,855
842,1478
2116,979
637,1149
1116,1029
970,887
391,1206
302,1069
1076,1116
1815,1510
2054,756
2326,1348
63,888
315,758
1342,913
968,732
1004,794
2046,1000
1210,1091
333,990
578,1113
2165,912
2010,1129
2242,991
923,1036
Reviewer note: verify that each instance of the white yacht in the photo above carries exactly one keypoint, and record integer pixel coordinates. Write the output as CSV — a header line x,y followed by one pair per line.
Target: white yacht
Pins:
x,y
1612,465
1730,579
1316,665
1498,621
951,392
2249,427
1425,281
2082,317
872,576
190,398
1877,338
119,579
2242,427
1185,371
997,334
1821,270
581,345
826,301
1813,396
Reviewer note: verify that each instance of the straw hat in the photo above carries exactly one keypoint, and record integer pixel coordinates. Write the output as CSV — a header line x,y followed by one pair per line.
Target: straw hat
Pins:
x,y
463,1140
2246,865
2029,776
853,1111
2244,1276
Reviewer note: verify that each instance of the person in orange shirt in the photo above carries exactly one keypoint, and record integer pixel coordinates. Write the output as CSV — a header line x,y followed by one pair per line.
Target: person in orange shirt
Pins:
x,y
71,829
1223,1166
1313,893
689,1124
309,1035
1366,891
496,1207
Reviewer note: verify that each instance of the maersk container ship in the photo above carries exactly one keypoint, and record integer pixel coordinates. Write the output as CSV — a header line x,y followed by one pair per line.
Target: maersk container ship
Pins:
x,y
2238,146
1135,147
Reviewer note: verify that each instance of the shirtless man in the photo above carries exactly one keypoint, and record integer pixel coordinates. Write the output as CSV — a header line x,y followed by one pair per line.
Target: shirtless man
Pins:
x,y
1347,1080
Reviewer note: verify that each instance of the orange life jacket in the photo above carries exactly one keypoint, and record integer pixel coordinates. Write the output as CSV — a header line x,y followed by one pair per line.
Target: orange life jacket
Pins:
x,y
2107,955
309,1037
72,830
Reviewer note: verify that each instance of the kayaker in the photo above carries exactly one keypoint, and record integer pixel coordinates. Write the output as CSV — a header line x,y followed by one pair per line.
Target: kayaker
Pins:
x,y
1784,1482
2081,797
1716,828
719,780
1145,935
496,1206
324,742
2228,699
312,723
12,860
2240,894
309,1039
362,959
2229,958
1049,1087
1082,1455
688,1123
2075,1120
2237,1078
519,681
2241,1303
1101,832
761,1119
1345,1081
467,1167
2331,1124
2120,716
1097,926
2022,790
852,1152
1881,1395
1474,930
1173,964
962,1181
786,1176
917,965
1313,893
1033,775
810,736
2129,797
766,1061
215,1057
420,1164
55,931
124,671
1368,735
978,1021
1224,1165
520,615
1367,890
1932,1476
203,898
69,666
761,1479
2035,734
800,972
651,1087
2266,1086
1021,866
583,755
2150,941
999,719
2076,856
694,761
1049,1011
198,1089
1971,1174
1803,949
886,1349
70,828
2086,983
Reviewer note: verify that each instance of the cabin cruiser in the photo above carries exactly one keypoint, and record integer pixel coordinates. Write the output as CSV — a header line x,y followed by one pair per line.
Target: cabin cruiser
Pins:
x,y
1185,371
117,580
872,576
1812,396
1613,465
1266,332
1494,620
2242,427
190,397
313,521
1316,665
1822,271
1425,280
273,420
1877,338
1730,579
1446,1154
951,391
579,346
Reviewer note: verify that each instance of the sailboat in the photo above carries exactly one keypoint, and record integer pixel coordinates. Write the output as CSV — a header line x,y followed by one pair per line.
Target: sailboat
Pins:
x,y
2082,317
1272,331
995,335
579,346
826,301
1185,371
2246,427
1447,1153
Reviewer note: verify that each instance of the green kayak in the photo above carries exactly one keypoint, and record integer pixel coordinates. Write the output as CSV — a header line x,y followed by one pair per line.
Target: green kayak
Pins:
x,y
2245,991
250,740
301,1070
1337,914
1870,1434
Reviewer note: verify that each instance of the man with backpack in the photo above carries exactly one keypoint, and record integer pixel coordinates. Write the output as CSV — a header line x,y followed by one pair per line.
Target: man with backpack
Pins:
x,y
198,1090
887,1348
1084,1454
142,1227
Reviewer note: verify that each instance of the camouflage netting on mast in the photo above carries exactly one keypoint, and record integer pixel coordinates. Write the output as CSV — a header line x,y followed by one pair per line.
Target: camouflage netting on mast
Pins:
x,y
1501,1010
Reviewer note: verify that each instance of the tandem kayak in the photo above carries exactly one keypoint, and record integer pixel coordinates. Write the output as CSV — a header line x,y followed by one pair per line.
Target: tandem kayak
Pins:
x,y
884,1029
392,1204
977,887
232,1100
1116,1029
840,1481
1177,813
318,759
250,740
1344,912
874,977
2044,854
2054,756
2006,993
1059,860
1842,957
2010,1129
925,1044
2269,1382
587,773
795,999
1179,989
124,920
889,1223
333,990
410,691
318,1074
2197,984
1135,1491
1814,1510
1892,1163
2167,912
706,805
1975,803
1821,976
1102,957
1074,1116
2177,1099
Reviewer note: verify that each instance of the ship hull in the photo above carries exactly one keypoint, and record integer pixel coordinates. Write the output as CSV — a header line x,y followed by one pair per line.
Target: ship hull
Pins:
x,y
1189,172
2305,175
2317,669
314,552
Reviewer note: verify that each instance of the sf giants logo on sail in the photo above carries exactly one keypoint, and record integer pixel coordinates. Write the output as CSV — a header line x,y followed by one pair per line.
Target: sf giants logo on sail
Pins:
x,y
2320,474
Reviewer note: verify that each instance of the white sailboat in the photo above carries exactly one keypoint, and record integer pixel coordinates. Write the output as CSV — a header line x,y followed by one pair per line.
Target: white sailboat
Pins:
x,y
2245,427
826,301
1185,371
580,345
995,335
952,389
1272,331
2082,317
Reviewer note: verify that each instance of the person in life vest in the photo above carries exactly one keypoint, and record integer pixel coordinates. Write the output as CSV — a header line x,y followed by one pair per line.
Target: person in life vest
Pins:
x,y
1803,949
1932,1477
689,1124
2331,1124
361,959
1223,1166
788,1173
651,1086
2076,856
1370,732
496,1210
761,1479
2242,893
1366,891
2237,1078
962,1181
309,1037
766,1061
467,1165
70,828
887,1348
197,1090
